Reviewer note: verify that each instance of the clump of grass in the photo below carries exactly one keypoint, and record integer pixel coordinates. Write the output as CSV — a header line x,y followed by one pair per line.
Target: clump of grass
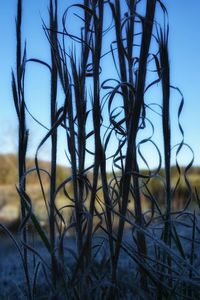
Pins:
x,y
107,217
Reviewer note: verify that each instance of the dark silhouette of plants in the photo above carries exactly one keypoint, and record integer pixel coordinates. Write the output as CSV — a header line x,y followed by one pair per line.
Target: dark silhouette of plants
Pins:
x,y
104,207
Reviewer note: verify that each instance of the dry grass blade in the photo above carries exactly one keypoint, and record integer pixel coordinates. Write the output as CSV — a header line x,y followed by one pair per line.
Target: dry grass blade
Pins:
x,y
19,101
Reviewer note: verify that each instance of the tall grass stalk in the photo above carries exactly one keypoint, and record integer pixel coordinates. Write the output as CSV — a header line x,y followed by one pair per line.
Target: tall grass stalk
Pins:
x,y
76,156
165,79
19,102
53,25
136,101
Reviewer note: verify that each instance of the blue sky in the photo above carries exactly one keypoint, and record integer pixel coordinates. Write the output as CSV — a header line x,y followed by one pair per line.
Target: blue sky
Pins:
x,y
185,73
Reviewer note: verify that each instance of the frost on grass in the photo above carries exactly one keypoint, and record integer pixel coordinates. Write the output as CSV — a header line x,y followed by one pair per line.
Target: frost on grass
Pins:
x,y
184,255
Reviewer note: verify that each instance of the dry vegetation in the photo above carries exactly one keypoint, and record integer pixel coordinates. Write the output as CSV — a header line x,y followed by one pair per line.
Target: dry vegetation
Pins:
x,y
139,223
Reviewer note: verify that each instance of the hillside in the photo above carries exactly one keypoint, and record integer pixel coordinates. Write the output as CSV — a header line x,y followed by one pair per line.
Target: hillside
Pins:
x,y
8,170
9,199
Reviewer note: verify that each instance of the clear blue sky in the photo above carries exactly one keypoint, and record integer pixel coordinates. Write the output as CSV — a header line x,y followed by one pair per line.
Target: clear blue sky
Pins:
x,y
184,23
